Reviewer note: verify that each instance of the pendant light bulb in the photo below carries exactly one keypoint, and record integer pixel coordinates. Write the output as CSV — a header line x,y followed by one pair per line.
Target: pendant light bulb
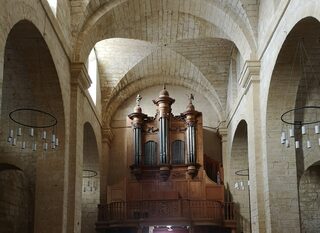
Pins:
x,y
297,145
291,132
23,146
303,129
283,137
14,142
287,143
308,144
316,129
44,135
19,133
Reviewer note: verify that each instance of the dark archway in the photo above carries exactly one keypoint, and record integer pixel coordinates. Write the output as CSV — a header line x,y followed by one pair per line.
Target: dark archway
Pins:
x,y
90,181
239,175
286,165
30,80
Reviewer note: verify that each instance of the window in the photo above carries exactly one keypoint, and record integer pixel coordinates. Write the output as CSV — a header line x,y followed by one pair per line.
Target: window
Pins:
x,y
150,153
92,71
53,5
178,152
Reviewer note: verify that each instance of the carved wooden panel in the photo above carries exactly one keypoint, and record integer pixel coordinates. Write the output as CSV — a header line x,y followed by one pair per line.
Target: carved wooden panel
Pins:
x,y
195,190
182,188
133,191
215,192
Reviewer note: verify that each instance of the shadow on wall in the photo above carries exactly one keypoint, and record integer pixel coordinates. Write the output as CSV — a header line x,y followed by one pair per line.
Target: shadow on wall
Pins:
x,y
212,144
16,201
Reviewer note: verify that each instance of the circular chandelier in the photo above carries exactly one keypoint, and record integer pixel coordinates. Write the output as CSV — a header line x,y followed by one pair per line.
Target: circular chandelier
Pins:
x,y
240,185
31,128
302,123
89,182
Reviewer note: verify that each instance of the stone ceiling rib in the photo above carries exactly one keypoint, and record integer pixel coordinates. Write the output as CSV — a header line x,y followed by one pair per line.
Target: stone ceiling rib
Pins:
x,y
161,64
150,81
146,20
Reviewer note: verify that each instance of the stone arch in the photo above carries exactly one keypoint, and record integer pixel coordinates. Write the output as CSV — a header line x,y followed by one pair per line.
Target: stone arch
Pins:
x,y
238,9
33,12
90,180
287,164
149,81
158,69
30,80
239,175
93,30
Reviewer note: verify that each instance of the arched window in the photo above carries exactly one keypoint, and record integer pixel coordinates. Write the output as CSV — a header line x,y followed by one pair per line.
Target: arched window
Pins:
x,y
178,152
53,5
92,71
150,153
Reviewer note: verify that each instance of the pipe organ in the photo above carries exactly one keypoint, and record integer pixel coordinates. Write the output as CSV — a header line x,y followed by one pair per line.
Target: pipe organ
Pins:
x,y
165,182
167,140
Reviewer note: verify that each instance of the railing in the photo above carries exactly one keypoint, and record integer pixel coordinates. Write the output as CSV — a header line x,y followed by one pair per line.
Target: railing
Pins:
x,y
229,211
187,210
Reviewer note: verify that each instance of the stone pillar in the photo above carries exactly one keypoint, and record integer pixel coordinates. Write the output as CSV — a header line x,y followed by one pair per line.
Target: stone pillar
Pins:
x,y
223,133
80,82
107,136
250,81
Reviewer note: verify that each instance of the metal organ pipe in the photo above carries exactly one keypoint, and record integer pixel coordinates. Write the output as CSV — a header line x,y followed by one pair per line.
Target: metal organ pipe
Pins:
x,y
137,145
163,136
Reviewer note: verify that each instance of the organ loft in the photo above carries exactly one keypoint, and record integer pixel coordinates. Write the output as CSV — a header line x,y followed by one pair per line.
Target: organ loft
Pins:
x,y
167,188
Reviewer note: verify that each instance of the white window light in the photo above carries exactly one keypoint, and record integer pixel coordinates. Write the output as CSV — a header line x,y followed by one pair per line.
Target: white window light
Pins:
x,y
92,70
53,5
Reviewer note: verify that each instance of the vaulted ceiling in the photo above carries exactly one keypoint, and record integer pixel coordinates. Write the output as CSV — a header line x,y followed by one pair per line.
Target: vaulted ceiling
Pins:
x,y
141,43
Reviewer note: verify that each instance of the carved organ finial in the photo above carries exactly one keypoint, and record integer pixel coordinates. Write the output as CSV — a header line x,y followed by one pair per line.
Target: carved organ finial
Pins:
x,y
138,99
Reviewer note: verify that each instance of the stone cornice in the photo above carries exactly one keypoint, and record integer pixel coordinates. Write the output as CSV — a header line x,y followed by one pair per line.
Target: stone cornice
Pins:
x,y
79,76
250,72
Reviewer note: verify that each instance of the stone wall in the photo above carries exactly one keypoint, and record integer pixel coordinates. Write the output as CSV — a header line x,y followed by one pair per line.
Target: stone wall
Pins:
x,y
309,196
16,202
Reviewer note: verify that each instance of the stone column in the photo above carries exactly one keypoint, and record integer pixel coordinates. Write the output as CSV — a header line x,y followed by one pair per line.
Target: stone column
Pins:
x,y
107,136
223,133
250,81
80,82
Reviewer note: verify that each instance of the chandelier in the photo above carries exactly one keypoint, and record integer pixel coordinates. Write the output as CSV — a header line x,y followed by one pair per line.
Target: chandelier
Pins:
x,y
89,182
33,129
240,184
302,123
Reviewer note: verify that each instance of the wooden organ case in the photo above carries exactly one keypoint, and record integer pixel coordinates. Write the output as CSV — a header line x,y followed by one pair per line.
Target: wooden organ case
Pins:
x,y
166,182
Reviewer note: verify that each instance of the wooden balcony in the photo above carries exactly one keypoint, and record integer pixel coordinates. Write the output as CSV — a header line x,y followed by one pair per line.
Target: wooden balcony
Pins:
x,y
165,212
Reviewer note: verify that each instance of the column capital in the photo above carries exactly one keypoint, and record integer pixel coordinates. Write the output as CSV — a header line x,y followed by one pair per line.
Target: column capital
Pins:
x,y
80,76
223,133
107,135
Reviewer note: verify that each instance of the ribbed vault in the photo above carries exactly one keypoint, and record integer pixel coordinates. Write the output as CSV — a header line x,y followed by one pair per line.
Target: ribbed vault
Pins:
x,y
145,82
161,66
166,22
242,10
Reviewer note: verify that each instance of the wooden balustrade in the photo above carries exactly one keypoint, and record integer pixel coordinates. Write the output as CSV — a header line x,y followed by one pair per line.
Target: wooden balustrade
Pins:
x,y
212,212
